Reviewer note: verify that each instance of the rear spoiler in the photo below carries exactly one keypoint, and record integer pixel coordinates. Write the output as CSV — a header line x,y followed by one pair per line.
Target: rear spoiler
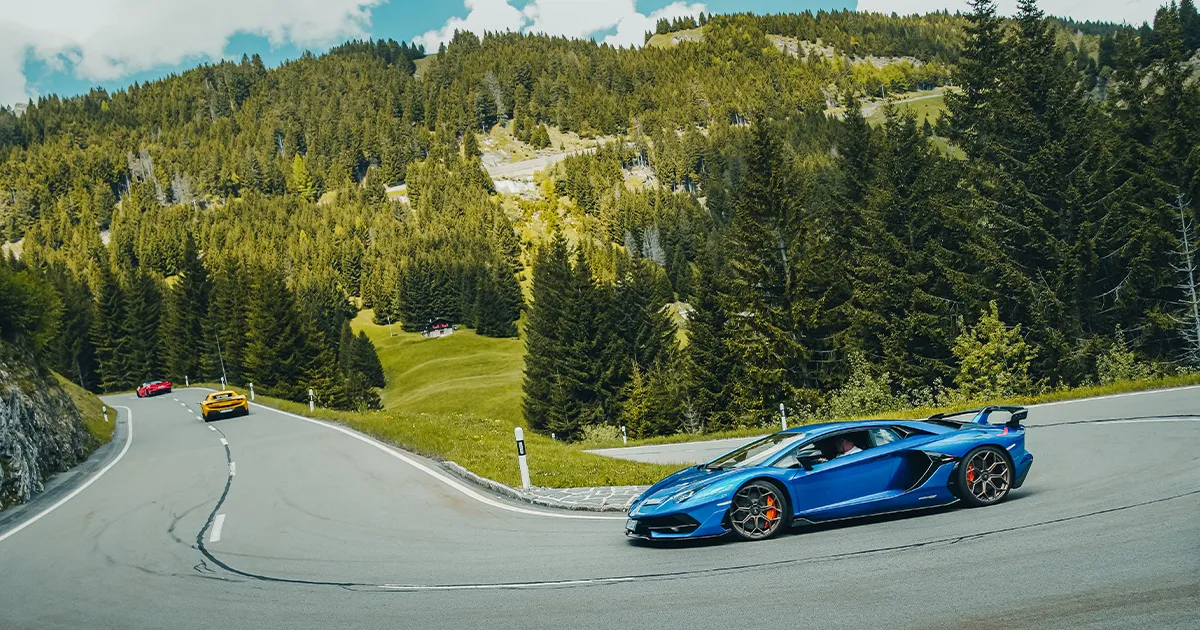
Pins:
x,y
981,415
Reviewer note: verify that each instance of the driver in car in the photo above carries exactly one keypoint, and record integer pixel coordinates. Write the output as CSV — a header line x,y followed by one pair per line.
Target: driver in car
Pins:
x,y
844,447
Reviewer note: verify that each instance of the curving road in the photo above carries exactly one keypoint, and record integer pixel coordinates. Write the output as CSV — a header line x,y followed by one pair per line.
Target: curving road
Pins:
x,y
319,528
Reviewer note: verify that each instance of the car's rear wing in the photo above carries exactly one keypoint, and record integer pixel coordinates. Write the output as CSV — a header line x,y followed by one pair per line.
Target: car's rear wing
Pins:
x,y
1016,415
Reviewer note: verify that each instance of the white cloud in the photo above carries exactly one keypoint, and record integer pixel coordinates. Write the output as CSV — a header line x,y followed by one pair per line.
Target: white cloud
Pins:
x,y
1131,11
632,29
482,15
108,39
570,18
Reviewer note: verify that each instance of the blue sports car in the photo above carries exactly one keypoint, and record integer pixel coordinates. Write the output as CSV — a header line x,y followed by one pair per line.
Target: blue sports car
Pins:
x,y
837,470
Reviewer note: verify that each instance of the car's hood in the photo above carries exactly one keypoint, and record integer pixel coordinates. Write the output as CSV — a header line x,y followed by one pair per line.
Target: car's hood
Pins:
x,y
688,477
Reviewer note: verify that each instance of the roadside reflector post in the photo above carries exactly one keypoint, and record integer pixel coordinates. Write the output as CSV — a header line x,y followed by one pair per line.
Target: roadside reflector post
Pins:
x,y
312,400
186,383
783,416
252,391
624,436
521,457
223,385
105,409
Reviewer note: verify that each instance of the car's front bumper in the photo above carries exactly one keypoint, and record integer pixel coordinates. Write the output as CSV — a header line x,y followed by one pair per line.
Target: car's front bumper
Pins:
x,y
674,522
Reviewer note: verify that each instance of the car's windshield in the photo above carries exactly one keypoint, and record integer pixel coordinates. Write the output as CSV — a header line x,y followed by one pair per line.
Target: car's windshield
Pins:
x,y
757,452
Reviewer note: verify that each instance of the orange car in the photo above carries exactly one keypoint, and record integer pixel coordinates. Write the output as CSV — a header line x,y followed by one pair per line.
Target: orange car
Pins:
x,y
221,404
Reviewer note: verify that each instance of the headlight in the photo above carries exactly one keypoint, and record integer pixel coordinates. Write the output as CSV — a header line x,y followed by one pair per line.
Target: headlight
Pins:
x,y
687,494
654,501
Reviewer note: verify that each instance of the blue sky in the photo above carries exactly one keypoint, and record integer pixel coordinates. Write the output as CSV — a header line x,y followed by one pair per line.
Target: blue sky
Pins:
x,y
77,44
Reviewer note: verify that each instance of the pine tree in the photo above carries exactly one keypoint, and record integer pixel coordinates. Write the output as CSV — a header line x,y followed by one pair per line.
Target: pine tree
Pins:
x,y
709,363
544,340
364,360
225,327
183,323
107,330
771,357
143,312
277,354
300,183
498,302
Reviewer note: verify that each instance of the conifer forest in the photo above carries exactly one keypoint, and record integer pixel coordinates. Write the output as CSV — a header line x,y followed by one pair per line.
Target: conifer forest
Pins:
x,y
759,224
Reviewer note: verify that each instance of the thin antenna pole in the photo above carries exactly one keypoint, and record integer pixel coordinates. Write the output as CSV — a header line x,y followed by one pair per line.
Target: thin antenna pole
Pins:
x,y
224,380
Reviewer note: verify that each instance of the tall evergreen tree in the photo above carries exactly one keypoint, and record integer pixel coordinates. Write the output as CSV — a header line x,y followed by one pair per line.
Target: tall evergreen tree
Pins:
x,y
183,323
544,339
772,358
144,359
277,354
107,330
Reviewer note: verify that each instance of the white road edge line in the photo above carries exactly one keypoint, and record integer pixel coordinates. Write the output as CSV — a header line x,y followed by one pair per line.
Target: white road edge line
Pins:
x,y
218,523
60,502
453,483
1145,420
1109,396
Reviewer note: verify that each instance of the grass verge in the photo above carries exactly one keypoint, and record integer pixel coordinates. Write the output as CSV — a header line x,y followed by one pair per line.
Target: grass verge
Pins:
x,y
91,409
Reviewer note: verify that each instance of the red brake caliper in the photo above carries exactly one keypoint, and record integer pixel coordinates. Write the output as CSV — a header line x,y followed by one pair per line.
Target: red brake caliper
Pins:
x,y
970,473
771,511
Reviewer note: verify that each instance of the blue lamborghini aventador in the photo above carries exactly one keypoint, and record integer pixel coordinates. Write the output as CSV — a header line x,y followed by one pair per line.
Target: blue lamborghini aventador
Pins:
x,y
837,470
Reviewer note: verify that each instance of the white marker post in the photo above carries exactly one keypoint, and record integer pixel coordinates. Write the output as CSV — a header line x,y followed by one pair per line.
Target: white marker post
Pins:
x,y
783,416
312,401
624,436
251,391
186,383
223,385
521,457
105,413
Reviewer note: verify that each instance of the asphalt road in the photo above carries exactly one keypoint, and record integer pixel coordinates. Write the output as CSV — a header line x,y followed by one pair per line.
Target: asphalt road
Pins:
x,y
319,529
1183,400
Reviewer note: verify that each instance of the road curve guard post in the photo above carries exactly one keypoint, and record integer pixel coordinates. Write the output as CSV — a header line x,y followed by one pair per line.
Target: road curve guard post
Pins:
x,y
783,416
312,400
624,436
521,457
105,410
252,391
186,383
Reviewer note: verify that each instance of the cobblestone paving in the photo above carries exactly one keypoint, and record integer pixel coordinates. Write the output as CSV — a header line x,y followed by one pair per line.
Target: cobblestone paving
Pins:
x,y
604,498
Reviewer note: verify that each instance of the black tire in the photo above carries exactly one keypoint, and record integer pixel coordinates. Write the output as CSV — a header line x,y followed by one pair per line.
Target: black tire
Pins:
x,y
759,510
204,415
984,476
139,395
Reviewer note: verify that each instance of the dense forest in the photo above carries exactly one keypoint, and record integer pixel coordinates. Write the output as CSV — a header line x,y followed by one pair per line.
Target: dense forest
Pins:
x,y
1031,237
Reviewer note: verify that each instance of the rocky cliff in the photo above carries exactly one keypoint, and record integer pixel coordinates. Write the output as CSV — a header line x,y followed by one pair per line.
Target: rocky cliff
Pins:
x,y
41,431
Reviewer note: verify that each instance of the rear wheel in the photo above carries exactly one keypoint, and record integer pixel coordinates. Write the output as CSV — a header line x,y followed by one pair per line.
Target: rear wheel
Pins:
x,y
984,476
758,511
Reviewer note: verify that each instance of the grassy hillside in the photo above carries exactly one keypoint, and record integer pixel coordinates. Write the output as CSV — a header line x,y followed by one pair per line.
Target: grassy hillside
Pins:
x,y
91,408
462,373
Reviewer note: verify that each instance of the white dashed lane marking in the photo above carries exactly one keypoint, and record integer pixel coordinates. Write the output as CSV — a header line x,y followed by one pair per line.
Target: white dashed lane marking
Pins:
x,y
218,523
224,442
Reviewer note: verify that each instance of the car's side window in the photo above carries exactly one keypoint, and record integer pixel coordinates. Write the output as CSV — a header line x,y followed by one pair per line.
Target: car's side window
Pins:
x,y
794,458
881,436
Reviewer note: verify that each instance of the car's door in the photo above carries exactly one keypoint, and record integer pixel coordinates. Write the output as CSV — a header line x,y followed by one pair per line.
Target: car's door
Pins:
x,y
835,488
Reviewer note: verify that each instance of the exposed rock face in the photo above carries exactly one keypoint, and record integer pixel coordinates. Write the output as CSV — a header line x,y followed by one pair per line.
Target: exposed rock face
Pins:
x,y
41,432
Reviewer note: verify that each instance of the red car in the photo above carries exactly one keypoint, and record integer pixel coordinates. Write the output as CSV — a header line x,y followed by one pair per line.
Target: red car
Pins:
x,y
153,388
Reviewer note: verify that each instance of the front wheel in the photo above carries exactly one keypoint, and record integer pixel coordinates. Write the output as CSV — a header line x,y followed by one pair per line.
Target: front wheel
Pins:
x,y
984,476
758,511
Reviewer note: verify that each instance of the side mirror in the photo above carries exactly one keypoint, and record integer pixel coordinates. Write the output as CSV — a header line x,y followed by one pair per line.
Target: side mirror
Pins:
x,y
806,463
